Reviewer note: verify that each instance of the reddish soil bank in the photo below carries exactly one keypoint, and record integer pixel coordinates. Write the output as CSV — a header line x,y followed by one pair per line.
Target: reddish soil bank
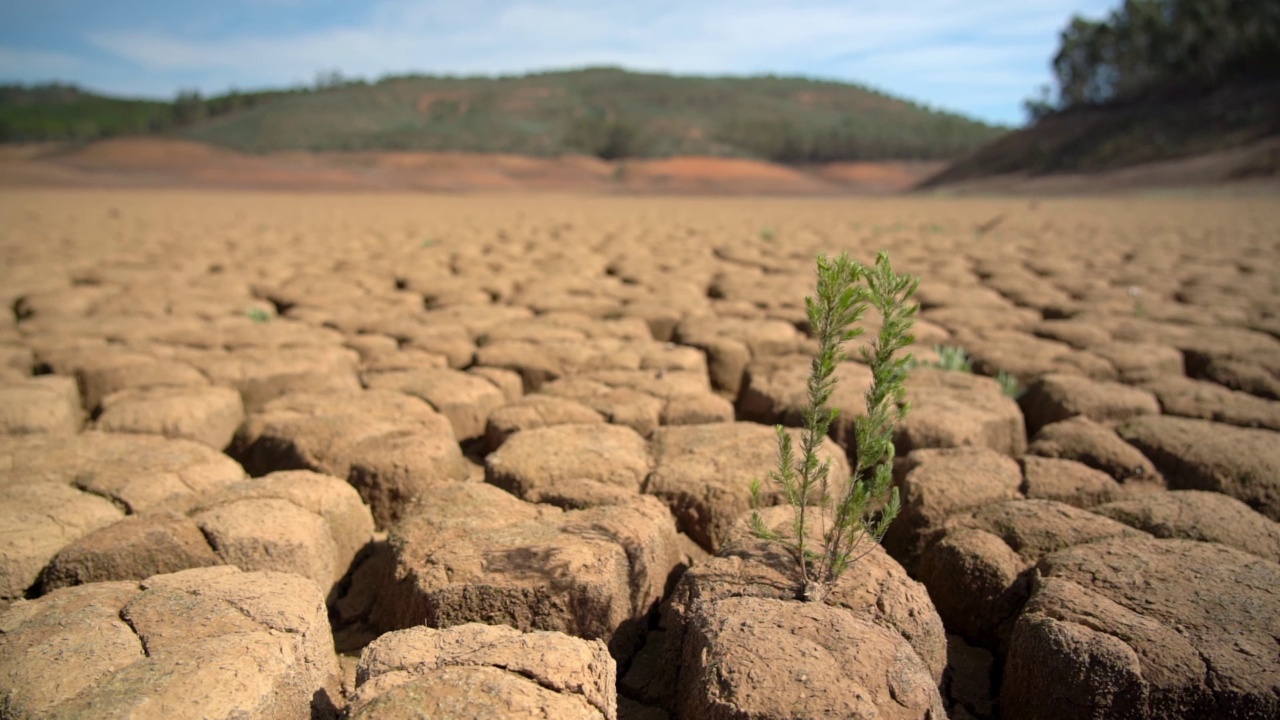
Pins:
x,y
180,164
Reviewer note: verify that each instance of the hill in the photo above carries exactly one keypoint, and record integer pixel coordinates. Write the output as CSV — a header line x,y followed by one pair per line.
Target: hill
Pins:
x,y
1229,135
1158,92
66,113
606,112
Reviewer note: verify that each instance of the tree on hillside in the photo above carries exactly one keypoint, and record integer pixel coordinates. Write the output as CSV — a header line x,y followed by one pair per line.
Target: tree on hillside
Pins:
x,y
1149,48
605,135
189,107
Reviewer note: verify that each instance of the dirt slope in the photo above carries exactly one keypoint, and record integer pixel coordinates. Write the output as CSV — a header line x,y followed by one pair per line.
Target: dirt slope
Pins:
x,y
1231,136
142,162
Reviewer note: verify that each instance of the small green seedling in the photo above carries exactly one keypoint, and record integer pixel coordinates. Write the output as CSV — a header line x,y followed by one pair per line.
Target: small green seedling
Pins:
x,y
768,234
953,358
852,513
428,243
258,315
957,359
1009,384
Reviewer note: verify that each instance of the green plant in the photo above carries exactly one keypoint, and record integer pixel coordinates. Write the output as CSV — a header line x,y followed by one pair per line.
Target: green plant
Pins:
x,y
767,234
1008,384
957,359
258,315
855,514
953,358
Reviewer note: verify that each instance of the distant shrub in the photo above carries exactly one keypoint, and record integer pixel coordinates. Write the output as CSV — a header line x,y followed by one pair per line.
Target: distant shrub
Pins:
x,y
605,136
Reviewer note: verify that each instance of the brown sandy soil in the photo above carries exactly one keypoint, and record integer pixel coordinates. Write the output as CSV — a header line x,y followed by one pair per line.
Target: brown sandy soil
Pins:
x,y
542,410
148,162
887,177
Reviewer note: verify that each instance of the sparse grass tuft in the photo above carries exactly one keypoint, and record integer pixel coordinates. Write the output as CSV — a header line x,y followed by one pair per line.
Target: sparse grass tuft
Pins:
x,y
953,358
1008,384
856,507
958,360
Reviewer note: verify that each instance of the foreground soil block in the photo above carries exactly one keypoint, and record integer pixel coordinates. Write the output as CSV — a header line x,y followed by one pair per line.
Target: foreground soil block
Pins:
x,y
298,522
876,590
1246,361
212,642
204,414
1199,455
39,405
262,375
133,548
389,445
572,466
16,362
1098,447
731,343
476,671
1068,481
533,412
469,552
977,567
1140,363
936,484
465,398
1187,397
36,521
539,363
1199,515
1147,629
956,409
704,473
767,658
645,399
563,324
775,392
101,375
54,490
1058,397
138,472
1027,357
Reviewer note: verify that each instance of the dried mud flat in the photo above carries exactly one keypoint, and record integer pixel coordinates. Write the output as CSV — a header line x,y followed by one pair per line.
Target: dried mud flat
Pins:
x,y
288,456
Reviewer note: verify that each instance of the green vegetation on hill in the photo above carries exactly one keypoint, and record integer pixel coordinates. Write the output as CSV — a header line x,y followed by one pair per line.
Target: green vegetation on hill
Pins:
x,y
67,113
64,112
1155,80
1159,48
606,112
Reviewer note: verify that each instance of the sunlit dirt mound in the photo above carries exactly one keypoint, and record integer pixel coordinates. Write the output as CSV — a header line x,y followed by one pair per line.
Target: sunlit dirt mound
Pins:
x,y
883,176
148,162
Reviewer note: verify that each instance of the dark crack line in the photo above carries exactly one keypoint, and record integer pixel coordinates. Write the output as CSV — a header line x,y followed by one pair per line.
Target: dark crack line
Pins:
x,y
146,651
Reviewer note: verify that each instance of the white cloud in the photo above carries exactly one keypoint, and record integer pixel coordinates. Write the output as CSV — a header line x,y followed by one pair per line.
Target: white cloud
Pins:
x,y
944,52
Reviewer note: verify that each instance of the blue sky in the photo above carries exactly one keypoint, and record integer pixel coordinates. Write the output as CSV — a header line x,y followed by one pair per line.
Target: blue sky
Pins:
x,y
979,57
